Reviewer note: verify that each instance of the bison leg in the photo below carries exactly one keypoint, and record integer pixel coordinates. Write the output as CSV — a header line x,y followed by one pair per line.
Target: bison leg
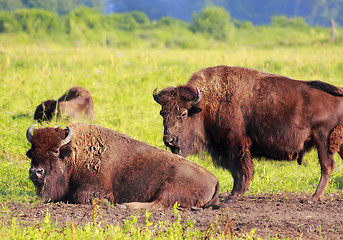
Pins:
x,y
326,170
242,170
327,165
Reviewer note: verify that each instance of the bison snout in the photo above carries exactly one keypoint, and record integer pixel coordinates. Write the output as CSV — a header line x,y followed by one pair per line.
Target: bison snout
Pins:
x,y
170,141
173,143
36,173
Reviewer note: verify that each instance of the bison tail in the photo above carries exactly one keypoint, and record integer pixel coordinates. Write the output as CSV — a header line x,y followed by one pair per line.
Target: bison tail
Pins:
x,y
331,89
214,202
336,139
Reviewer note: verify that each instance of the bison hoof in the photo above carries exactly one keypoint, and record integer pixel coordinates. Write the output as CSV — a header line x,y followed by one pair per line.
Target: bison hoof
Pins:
x,y
229,199
308,201
195,209
314,199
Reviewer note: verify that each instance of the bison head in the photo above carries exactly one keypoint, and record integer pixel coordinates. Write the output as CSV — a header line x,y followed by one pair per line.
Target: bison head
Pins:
x,y
45,111
183,125
49,169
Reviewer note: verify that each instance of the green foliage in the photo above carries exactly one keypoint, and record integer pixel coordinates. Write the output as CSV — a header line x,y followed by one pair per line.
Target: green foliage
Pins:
x,y
11,228
242,24
36,20
66,6
171,22
283,21
210,29
83,19
48,5
140,18
61,7
123,21
126,21
8,23
315,12
214,21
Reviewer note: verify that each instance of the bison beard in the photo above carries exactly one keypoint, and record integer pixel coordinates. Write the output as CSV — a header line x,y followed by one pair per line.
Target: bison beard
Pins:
x,y
84,162
241,113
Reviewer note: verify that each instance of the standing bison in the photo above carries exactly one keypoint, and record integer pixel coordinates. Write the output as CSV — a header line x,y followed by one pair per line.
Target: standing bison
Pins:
x,y
76,103
239,113
84,161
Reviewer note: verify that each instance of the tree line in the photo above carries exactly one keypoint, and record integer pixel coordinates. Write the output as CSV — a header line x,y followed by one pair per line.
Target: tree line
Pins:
x,y
214,21
60,7
212,27
314,12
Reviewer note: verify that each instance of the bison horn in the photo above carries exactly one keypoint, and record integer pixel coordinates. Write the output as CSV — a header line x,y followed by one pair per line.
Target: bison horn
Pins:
x,y
197,98
155,95
29,132
67,138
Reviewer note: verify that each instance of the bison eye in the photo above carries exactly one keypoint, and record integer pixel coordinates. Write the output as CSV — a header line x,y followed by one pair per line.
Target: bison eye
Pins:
x,y
184,114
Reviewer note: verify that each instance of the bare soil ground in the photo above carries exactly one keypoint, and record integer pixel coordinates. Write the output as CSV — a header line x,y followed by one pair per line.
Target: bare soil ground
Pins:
x,y
283,215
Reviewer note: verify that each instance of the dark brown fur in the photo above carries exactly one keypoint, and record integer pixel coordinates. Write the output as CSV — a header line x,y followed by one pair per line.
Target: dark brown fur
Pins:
x,y
336,140
76,103
244,113
104,164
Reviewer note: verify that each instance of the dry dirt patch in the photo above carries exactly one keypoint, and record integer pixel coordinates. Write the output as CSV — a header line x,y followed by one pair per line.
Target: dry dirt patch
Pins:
x,y
284,215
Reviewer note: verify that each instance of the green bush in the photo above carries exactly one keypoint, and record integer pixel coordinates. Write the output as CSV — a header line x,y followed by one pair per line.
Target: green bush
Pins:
x,y
283,21
242,24
123,21
37,20
140,18
8,23
171,22
83,18
214,21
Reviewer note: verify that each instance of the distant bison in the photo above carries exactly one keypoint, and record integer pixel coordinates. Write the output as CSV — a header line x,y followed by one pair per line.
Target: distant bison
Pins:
x,y
76,103
239,113
84,161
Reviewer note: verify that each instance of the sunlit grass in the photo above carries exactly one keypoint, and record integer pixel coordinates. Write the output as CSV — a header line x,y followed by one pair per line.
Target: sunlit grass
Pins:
x,y
122,81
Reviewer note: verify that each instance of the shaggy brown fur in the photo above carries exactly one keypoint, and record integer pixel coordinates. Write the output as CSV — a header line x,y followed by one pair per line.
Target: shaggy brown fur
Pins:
x,y
244,113
76,103
336,140
104,164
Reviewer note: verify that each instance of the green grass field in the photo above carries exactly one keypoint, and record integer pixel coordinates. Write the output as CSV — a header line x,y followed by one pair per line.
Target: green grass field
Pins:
x,y
122,81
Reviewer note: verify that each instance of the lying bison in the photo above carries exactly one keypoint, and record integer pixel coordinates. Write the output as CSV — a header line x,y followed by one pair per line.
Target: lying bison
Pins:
x,y
84,161
76,103
238,113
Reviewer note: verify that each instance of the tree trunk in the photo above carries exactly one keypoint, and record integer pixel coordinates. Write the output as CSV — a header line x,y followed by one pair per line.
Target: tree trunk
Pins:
x,y
332,30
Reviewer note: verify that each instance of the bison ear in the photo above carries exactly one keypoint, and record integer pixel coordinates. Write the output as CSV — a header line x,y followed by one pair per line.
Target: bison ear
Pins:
x,y
194,110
